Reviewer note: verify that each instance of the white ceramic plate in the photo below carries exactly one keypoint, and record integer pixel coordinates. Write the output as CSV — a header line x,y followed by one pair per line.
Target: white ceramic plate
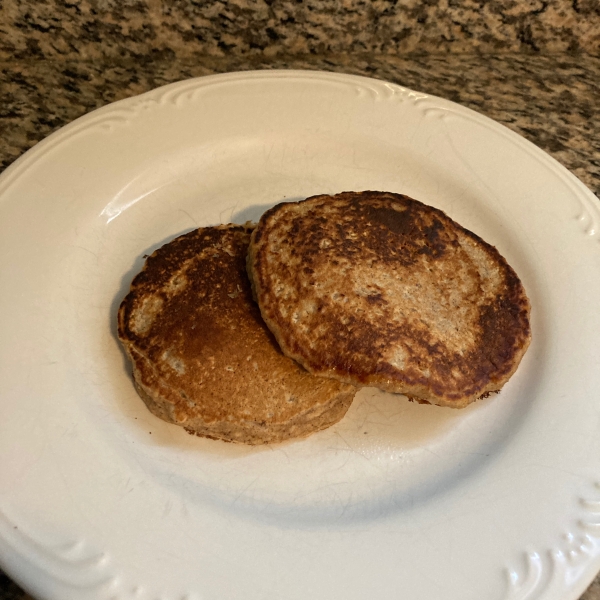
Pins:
x,y
99,499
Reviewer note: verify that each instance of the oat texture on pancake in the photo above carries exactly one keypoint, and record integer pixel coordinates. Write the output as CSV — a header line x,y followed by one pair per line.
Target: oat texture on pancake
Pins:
x,y
202,356
375,288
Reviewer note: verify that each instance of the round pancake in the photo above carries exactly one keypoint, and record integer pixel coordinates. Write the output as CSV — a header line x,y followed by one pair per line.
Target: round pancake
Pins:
x,y
202,356
375,288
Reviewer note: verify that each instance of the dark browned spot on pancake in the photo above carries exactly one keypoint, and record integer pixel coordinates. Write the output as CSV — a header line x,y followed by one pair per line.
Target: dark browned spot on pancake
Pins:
x,y
400,222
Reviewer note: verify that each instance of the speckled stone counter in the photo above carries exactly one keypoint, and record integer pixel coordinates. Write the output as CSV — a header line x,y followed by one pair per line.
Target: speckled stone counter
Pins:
x,y
549,99
101,29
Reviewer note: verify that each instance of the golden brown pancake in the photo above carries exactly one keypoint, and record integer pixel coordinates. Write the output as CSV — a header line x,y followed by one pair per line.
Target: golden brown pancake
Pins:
x,y
375,288
202,356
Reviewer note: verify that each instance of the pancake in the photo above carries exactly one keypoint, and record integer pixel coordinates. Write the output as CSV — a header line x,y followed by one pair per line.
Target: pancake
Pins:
x,y
378,289
202,356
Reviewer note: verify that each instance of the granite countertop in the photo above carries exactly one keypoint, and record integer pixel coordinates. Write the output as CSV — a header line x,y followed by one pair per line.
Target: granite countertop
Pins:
x,y
550,99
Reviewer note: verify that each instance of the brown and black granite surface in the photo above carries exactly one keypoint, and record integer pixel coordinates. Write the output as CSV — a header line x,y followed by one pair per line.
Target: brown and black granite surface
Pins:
x,y
533,65
101,29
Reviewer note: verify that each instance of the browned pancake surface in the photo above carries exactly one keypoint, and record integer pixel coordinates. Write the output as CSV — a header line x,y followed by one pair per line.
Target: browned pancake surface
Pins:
x,y
379,289
202,355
